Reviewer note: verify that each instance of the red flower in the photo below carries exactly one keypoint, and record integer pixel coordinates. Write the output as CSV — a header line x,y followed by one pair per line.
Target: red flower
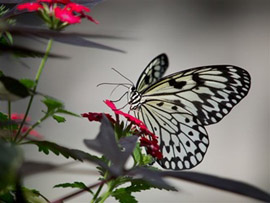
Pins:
x,y
30,6
71,13
66,15
19,117
55,1
91,19
152,147
77,8
97,116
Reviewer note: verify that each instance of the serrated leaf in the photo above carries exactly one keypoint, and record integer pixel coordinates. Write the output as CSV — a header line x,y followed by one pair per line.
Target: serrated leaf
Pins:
x,y
138,185
28,83
52,104
59,119
46,147
123,196
79,185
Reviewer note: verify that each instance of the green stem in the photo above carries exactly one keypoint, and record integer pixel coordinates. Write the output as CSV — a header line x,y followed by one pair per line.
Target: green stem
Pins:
x,y
107,193
40,69
33,126
9,118
97,193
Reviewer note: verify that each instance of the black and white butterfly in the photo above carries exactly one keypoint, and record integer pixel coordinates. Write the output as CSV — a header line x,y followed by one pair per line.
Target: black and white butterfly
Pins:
x,y
177,107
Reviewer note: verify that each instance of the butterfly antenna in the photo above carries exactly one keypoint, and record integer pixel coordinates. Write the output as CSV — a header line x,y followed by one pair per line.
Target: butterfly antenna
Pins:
x,y
123,76
123,106
126,85
120,97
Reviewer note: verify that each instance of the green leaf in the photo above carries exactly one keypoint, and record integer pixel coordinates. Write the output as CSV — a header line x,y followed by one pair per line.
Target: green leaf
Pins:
x,y
137,154
147,159
79,185
63,111
33,196
47,147
1,73
52,104
28,83
137,185
59,119
123,196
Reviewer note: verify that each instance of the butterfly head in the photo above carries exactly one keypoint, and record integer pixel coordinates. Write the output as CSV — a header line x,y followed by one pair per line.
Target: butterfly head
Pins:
x,y
134,98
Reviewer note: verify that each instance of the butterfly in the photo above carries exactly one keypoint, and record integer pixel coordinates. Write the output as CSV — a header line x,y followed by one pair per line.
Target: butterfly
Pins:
x,y
177,107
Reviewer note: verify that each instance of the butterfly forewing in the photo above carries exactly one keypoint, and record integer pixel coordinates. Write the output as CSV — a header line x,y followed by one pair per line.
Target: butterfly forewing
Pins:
x,y
153,72
209,93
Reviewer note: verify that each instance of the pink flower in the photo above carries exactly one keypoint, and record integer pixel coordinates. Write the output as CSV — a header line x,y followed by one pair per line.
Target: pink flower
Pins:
x,y
66,15
30,6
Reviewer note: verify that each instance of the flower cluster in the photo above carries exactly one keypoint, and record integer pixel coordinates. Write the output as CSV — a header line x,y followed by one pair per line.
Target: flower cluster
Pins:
x,y
147,138
65,11
18,118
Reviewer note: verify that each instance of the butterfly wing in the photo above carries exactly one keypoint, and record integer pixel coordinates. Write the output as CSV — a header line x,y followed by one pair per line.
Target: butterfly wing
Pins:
x,y
183,140
209,92
177,107
153,72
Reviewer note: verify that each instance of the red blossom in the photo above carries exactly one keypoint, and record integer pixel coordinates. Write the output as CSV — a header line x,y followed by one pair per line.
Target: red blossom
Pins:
x,y
71,13
25,128
66,15
97,116
19,117
32,6
77,8
152,147
90,18
55,1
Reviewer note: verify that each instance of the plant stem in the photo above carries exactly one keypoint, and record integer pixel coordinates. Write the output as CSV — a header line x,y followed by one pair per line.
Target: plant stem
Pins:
x,y
97,193
40,69
107,193
60,200
33,126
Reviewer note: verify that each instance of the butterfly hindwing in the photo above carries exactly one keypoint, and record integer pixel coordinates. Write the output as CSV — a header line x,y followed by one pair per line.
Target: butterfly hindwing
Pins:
x,y
209,92
153,72
183,140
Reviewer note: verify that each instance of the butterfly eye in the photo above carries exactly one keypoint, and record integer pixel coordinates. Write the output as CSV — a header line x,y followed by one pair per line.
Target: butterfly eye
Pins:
x,y
133,89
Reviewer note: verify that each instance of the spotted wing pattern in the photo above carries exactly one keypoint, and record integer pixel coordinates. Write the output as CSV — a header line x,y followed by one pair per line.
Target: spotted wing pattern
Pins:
x,y
153,72
178,106
183,140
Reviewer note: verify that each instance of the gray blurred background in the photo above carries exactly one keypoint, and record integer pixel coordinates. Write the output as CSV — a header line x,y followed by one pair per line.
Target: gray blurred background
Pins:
x,y
192,33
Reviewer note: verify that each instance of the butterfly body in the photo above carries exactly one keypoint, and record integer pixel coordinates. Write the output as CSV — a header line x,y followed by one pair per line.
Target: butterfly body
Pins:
x,y
178,106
